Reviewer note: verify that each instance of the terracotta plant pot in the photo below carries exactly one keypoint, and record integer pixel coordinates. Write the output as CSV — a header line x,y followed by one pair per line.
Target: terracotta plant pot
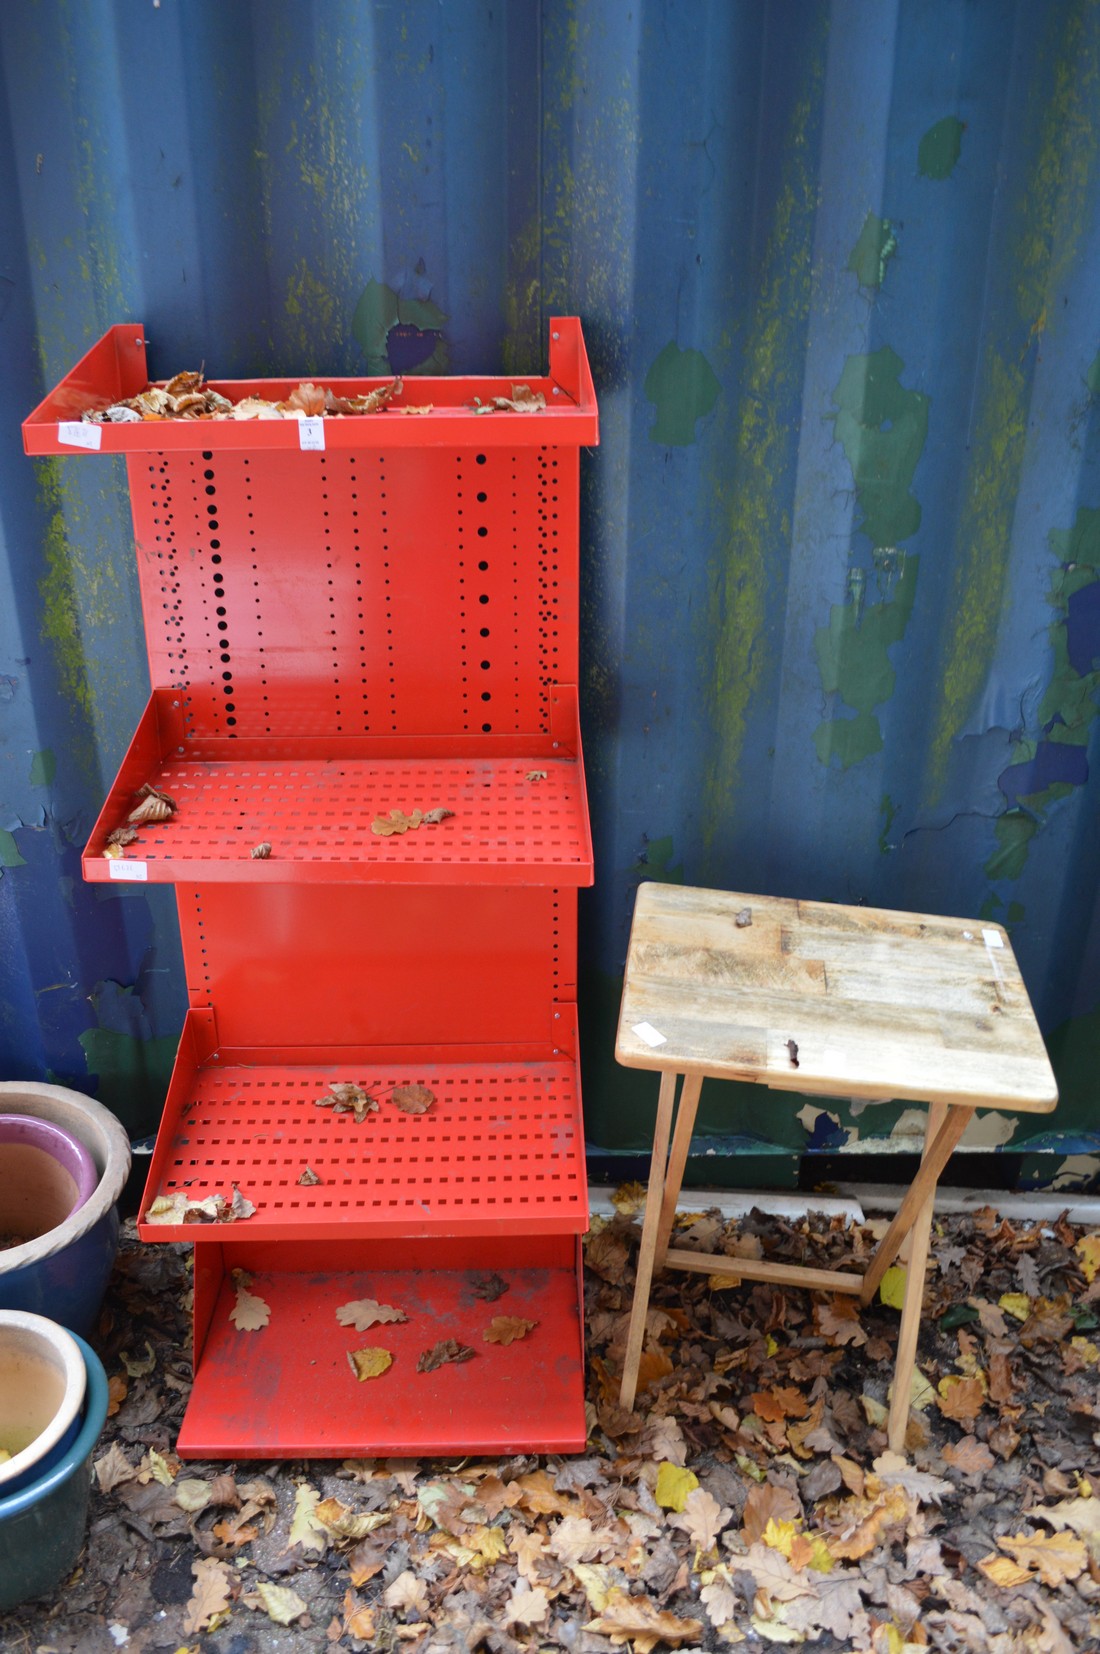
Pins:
x,y
46,1174
62,1274
42,1526
41,1396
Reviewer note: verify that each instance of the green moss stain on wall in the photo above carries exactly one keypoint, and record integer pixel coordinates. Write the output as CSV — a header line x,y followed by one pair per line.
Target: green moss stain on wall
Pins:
x,y
1074,1048
854,661
873,251
882,427
940,148
43,768
133,1074
1052,214
754,461
61,611
523,344
1014,832
9,850
683,387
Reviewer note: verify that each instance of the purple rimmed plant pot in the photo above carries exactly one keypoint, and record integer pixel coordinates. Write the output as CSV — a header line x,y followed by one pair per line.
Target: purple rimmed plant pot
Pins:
x,y
46,1174
63,1273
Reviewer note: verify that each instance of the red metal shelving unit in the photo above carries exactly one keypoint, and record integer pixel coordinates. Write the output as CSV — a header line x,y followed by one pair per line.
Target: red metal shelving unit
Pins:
x,y
345,618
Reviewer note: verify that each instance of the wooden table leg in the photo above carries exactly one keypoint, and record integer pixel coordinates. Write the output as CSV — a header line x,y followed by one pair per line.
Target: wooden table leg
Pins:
x,y
648,1249
938,1145
677,1160
914,1294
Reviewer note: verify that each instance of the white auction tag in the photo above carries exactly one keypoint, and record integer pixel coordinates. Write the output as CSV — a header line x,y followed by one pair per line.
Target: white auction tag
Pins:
x,y
993,939
311,434
133,870
79,434
646,1031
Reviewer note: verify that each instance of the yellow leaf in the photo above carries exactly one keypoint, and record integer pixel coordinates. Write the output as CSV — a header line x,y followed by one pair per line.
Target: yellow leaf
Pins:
x,y
346,1523
159,1468
487,1542
1055,1556
821,1560
596,1580
780,1535
369,1363
770,1346
280,1603
921,1393
892,1289
1016,1304
1089,1352
1088,1250
673,1486
1000,1570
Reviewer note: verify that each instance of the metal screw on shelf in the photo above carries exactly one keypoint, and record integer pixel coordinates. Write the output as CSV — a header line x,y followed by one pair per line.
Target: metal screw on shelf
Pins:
x,y
555,335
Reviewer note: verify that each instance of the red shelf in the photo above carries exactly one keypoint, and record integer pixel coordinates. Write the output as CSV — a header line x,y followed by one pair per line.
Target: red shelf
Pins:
x,y
116,369
314,800
500,1150
288,1391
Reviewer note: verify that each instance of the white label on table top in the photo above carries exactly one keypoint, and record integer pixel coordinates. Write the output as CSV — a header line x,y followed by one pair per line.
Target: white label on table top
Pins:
x,y
993,939
78,433
134,870
311,434
646,1031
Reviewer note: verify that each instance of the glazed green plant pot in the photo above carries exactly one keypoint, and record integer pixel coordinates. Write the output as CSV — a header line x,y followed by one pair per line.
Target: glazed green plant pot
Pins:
x,y
42,1527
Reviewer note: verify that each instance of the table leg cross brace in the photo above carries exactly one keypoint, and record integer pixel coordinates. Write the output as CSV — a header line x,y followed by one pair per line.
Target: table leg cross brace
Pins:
x,y
945,1126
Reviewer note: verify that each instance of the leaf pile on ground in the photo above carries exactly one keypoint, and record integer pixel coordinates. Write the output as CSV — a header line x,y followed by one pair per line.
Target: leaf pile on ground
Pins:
x,y
749,1499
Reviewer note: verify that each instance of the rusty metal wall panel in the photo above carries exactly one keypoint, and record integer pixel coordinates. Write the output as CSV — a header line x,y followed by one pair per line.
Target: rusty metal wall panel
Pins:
x,y
837,267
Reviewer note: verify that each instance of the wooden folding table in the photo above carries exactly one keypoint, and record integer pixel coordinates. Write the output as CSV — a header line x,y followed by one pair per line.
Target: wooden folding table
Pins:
x,y
824,1001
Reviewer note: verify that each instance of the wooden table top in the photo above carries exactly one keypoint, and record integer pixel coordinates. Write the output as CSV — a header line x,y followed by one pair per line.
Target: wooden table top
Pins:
x,y
877,1004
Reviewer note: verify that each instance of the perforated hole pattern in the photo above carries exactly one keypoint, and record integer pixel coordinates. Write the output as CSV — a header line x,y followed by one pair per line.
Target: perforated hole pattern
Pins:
x,y
500,1141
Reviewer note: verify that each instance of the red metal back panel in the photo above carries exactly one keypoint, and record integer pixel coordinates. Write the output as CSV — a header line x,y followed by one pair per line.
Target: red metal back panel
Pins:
x,y
419,591
381,965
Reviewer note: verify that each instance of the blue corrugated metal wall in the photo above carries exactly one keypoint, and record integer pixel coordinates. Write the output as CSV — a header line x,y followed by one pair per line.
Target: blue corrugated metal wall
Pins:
x,y
838,270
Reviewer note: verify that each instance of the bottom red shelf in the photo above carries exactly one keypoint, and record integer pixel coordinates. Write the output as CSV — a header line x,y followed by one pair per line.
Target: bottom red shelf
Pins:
x,y
288,1390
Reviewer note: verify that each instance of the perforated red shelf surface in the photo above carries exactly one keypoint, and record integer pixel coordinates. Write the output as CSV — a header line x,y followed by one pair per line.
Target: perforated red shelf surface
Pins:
x,y
115,368
520,813
500,1149
288,1390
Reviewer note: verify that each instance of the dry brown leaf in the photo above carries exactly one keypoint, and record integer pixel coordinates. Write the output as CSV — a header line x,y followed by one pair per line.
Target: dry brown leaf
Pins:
x,y
278,1602
345,1523
641,1622
396,823
112,1468
309,1178
702,1518
432,818
783,1402
117,1391
407,1593
970,1456
489,1287
308,399
767,1503
358,1620
239,1207
505,1329
864,1521
960,1398
362,1313
261,852
535,775
1002,1571
448,1349
250,1313
528,1605
412,1099
837,1318
369,1363
346,1098
606,1254
210,1597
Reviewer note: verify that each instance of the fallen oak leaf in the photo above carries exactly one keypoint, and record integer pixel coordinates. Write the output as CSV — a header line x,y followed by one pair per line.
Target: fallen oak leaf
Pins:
x,y
1002,1571
210,1596
305,1530
344,1097
505,1329
358,1619
369,1363
397,822
447,1350
309,1178
535,775
702,1518
640,1621
1054,1556
528,1605
412,1099
1081,1514
192,1494
764,1504
1088,1250
362,1313
895,1471
250,1313
407,1593
960,1398
970,1456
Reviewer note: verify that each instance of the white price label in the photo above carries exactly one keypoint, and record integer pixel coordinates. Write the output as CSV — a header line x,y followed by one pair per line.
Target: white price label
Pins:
x,y
647,1032
136,871
311,434
78,434
992,939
